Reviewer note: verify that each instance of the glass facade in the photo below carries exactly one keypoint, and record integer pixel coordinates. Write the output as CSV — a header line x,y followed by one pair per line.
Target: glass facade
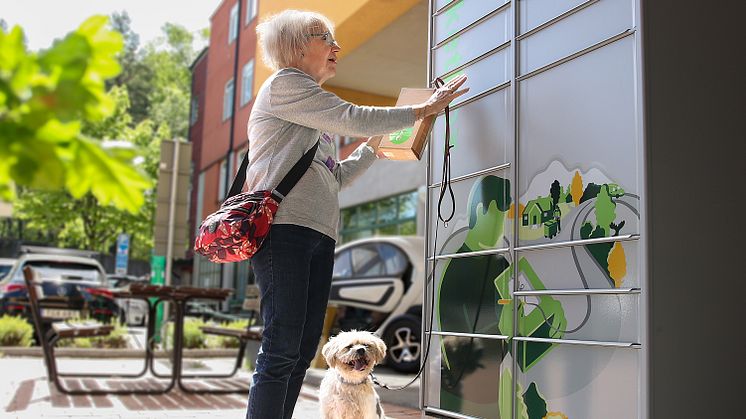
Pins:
x,y
394,215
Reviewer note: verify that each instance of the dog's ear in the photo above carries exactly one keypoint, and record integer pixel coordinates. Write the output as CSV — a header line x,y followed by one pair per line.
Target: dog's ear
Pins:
x,y
329,351
380,347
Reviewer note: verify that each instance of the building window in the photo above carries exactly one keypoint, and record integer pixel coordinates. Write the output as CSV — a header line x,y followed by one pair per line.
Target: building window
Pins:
x,y
194,112
221,180
395,215
247,82
233,28
228,100
207,273
239,159
251,9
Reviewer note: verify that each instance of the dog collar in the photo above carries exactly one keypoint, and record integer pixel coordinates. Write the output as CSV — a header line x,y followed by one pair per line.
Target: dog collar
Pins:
x,y
342,380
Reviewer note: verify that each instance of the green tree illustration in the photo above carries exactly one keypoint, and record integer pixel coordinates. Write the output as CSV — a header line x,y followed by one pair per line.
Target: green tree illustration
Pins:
x,y
555,192
605,210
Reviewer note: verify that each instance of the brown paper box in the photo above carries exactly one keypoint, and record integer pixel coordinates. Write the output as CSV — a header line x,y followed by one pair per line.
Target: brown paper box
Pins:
x,y
409,143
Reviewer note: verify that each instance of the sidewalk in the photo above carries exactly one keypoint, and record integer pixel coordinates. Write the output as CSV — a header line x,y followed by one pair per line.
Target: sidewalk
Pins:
x,y
25,393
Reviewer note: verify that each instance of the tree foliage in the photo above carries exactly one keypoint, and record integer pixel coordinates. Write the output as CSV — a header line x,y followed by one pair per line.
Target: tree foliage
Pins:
x,y
136,75
83,222
148,103
45,100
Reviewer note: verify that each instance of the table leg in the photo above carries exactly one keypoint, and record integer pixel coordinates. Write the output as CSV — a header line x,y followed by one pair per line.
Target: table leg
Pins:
x,y
180,306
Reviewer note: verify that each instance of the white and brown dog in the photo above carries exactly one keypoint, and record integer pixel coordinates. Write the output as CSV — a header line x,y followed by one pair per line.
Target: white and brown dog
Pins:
x,y
347,390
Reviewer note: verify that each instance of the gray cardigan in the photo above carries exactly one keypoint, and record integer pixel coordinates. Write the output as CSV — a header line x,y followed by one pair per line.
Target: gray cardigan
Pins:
x,y
290,113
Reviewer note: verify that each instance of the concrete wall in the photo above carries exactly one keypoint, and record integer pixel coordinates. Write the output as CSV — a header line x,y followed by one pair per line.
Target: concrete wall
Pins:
x,y
694,119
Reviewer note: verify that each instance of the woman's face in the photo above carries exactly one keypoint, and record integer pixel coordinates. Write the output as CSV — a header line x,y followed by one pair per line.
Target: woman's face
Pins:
x,y
320,59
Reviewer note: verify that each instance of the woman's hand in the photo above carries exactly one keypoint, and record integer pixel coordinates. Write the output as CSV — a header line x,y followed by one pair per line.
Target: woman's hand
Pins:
x,y
441,98
374,142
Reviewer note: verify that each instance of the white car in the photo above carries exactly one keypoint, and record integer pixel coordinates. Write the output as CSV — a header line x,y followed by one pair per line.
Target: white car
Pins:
x,y
5,266
377,285
134,311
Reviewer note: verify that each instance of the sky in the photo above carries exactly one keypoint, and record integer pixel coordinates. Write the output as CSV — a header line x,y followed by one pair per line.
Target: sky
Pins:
x,y
45,20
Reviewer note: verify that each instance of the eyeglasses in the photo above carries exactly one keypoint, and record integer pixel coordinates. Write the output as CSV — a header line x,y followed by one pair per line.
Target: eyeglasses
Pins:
x,y
326,37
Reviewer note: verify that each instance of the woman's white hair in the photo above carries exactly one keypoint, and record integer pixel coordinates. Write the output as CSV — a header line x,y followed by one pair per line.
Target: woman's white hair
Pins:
x,y
283,37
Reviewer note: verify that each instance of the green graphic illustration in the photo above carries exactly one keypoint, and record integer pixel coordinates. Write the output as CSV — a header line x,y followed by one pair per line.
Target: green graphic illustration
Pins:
x,y
401,136
453,55
474,297
536,406
544,215
545,319
468,303
452,17
605,211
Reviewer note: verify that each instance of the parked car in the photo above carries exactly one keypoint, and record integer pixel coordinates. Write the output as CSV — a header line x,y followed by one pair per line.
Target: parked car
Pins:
x,y
77,286
377,285
134,311
5,266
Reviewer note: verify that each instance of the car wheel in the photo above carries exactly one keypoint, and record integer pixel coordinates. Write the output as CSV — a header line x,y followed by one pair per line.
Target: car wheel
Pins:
x,y
402,338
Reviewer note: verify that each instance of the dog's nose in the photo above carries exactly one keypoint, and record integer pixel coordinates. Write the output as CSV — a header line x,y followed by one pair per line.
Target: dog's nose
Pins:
x,y
361,351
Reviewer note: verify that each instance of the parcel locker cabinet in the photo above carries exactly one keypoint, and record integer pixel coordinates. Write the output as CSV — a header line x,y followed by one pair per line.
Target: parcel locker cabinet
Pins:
x,y
559,281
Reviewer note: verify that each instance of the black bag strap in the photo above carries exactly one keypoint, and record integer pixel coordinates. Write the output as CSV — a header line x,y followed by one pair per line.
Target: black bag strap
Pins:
x,y
286,184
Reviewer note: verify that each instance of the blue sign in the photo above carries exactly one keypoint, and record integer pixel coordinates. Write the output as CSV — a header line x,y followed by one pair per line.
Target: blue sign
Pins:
x,y
123,250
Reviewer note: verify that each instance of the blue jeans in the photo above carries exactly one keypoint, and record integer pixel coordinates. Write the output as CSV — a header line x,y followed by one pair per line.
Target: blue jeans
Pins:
x,y
293,270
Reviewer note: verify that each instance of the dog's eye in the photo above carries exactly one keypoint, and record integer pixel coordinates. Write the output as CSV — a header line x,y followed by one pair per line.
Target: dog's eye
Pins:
x,y
349,347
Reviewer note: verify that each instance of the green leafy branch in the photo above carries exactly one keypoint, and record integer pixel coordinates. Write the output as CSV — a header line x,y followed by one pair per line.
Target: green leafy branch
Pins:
x,y
45,98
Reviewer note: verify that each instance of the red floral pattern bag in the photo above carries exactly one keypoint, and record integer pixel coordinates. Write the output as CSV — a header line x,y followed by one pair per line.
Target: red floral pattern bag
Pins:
x,y
236,231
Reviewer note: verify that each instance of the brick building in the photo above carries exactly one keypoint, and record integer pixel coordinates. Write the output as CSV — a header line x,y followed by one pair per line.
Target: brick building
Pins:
x,y
383,49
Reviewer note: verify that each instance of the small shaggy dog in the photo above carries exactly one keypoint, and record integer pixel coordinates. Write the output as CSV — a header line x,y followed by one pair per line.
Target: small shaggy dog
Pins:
x,y
347,390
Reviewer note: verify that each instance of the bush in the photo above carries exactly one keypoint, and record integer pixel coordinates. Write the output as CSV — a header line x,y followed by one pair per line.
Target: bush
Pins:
x,y
116,339
15,331
193,336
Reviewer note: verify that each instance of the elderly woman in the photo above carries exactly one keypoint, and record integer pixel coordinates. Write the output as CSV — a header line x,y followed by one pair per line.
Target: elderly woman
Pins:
x,y
293,268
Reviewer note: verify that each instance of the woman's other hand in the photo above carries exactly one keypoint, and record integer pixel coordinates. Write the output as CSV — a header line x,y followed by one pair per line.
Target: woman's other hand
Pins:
x,y
441,98
374,142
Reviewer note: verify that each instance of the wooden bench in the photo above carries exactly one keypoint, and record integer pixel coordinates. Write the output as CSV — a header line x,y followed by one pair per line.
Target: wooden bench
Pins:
x,y
80,330
59,329
65,330
251,303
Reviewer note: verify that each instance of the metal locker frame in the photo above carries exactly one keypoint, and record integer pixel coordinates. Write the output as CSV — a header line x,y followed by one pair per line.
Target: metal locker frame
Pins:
x,y
431,260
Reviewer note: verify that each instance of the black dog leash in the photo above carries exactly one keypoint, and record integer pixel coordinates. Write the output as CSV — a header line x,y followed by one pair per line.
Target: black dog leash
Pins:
x,y
444,185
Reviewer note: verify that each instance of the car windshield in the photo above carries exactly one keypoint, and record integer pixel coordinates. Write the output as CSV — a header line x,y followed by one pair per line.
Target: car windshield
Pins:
x,y
65,271
4,269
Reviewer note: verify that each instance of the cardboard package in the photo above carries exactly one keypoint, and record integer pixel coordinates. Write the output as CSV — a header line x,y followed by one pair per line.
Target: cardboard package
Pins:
x,y
409,143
